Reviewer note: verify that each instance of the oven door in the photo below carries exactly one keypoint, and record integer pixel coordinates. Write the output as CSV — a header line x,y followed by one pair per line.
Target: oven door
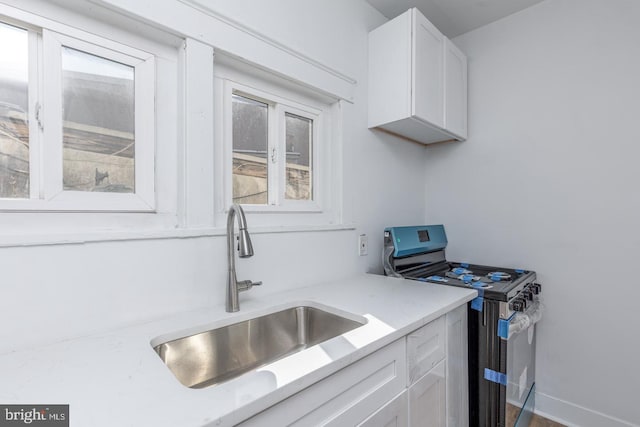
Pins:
x,y
519,364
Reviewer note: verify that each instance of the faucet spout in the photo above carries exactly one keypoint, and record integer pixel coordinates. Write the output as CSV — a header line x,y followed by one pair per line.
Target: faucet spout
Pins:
x,y
245,250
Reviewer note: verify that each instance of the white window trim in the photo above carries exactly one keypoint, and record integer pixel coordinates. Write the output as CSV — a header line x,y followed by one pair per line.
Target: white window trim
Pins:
x,y
35,99
46,190
325,209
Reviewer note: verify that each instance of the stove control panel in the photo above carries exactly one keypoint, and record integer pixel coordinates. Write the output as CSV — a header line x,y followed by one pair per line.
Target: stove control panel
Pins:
x,y
525,298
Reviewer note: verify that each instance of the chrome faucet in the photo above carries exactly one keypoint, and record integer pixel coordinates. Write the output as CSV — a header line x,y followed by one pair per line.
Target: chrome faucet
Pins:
x,y
245,249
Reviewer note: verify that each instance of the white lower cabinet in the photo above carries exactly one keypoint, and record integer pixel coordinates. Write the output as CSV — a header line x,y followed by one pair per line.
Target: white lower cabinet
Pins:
x,y
437,377
393,414
346,398
427,399
457,368
426,347
426,380
419,380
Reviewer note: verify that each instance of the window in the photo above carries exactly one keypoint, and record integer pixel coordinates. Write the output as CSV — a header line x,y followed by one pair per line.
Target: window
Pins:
x,y
97,123
250,151
14,112
272,150
76,121
278,154
299,155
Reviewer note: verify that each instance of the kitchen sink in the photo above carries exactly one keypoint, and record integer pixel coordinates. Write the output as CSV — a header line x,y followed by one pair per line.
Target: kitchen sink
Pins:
x,y
218,355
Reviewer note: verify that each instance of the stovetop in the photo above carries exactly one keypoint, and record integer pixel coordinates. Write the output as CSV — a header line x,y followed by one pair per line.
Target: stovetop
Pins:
x,y
418,252
498,283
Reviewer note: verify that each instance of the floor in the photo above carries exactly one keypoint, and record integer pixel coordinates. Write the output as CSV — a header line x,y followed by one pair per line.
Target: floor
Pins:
x,y
536,421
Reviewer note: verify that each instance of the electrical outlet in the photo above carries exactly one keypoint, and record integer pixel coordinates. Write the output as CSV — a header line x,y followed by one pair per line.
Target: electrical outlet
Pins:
x,y
363,245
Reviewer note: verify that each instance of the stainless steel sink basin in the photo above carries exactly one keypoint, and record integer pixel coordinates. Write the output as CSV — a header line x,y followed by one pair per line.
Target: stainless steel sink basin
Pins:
x,y
221,354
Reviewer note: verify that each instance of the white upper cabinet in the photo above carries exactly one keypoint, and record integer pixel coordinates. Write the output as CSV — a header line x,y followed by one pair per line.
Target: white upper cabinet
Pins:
x,y
427,76
417,81
455,89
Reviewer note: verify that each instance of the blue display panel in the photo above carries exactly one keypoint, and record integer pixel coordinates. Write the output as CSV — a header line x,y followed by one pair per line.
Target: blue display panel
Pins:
x,y
417,239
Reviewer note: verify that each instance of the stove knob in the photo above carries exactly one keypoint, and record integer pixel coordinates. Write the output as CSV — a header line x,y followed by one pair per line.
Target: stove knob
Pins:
x,y
528,294
518,304
537,288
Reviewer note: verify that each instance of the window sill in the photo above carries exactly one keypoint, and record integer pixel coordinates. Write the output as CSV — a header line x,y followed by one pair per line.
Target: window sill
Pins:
x,y
24,240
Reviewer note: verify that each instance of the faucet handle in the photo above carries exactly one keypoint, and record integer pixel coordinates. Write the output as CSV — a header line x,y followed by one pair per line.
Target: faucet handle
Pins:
x,y
245,285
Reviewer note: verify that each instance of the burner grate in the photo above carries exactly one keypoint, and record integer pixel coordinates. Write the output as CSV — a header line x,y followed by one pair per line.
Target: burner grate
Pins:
x,y
498,276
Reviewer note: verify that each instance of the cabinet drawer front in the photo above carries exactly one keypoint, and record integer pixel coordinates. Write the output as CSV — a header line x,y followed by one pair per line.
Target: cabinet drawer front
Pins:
x,y
393,414
348,396
425,348
427,405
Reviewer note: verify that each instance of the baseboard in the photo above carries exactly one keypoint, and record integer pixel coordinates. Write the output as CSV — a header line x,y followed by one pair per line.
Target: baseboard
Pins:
x,y
573,415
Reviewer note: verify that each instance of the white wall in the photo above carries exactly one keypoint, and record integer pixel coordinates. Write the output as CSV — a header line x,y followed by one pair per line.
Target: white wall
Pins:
x,y
548,180
62,291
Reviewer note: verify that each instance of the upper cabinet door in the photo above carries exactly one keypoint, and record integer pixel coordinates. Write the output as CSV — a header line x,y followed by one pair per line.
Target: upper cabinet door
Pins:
x,y
455,118
417,81
428,71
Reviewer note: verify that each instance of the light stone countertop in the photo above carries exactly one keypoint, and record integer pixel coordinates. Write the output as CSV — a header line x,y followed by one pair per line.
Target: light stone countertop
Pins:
x,y
117,379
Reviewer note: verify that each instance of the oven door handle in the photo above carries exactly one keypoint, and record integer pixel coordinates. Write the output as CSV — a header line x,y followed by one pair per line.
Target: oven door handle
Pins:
x,y
520,321
523,321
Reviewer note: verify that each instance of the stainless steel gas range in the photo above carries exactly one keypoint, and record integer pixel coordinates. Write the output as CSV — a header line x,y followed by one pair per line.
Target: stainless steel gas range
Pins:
x,y
501,321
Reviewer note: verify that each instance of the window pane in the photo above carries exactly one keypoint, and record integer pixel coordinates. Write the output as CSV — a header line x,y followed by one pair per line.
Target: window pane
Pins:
x,y
98,123
299,149
14,127
250,143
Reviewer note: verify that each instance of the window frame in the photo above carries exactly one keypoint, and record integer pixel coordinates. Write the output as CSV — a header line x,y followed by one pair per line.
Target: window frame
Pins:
x,y
276,139
45,121
284,96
